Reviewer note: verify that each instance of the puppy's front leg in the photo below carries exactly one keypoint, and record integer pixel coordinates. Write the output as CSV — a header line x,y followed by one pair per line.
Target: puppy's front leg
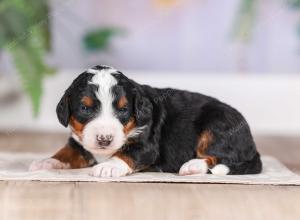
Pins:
x,y
131,158
72,156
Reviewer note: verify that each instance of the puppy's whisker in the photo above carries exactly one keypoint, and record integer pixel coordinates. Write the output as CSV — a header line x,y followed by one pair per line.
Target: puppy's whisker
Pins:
x,y
136,131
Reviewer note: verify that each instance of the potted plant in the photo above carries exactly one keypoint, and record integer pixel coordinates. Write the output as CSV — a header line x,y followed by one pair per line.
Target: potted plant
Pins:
x,y
24,34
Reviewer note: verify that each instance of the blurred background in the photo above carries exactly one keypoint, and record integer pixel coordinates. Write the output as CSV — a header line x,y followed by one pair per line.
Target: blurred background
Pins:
x,y
244,52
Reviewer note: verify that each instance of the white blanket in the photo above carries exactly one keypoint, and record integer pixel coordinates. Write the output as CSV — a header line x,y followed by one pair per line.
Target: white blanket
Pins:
x,y
14,166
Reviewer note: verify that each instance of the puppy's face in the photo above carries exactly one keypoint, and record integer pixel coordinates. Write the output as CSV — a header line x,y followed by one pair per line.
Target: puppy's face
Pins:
x,y
99,108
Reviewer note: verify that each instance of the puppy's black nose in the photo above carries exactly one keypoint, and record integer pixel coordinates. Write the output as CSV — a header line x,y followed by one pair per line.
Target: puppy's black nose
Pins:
x,y
104,140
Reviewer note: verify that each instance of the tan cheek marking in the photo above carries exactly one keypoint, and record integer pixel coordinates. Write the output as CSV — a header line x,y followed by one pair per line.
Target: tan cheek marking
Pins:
x,y
76,127
122,102
129,126
126,159
205,139
70,156
87,101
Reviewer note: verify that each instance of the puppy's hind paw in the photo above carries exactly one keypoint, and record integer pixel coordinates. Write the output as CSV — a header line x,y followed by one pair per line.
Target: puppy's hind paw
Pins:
x,y
220,169
48,164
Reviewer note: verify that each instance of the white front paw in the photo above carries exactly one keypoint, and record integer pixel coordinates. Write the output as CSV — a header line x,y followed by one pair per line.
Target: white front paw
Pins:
x,y
48,164
113,167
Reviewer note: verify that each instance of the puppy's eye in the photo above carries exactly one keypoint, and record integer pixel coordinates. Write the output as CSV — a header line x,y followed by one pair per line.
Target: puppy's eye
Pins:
x,y
123,110
85,109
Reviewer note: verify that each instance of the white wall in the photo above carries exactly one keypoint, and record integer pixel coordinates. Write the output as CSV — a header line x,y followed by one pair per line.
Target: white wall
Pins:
x,y
270,103
193,36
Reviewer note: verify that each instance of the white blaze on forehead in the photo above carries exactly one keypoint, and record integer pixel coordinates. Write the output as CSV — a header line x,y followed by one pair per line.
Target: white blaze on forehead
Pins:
x,y
106,123
105,81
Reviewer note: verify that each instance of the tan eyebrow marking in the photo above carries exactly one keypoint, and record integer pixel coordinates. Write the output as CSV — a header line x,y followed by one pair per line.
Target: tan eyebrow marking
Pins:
x,y
87,101
126,159
122,102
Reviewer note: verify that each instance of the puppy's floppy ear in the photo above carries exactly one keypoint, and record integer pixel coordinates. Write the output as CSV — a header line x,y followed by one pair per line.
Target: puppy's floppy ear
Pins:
x,y
122,78
63,110
142,107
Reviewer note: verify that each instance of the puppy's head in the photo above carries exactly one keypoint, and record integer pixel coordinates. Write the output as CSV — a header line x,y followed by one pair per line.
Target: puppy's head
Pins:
x,y
104,109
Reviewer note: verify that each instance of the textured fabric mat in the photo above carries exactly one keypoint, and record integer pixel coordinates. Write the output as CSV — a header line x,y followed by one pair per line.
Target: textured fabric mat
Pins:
x,y
14,166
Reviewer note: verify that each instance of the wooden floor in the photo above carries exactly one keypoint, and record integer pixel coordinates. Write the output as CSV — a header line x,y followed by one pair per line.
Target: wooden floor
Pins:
x,y
49,200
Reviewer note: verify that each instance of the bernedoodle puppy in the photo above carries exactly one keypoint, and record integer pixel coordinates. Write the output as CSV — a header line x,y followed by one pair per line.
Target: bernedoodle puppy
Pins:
x,y
140,128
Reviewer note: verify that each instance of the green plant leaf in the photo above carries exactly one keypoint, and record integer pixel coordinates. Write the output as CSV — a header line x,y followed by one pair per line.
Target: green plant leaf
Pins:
x,y
24,31
99,39
294,3
245,20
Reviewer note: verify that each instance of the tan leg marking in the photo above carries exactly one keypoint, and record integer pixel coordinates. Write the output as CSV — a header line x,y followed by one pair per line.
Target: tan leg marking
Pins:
x,y
126,159
205,139
71,156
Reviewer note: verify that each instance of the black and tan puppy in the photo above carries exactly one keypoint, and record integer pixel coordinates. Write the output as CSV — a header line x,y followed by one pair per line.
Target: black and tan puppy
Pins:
x,y
140,128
